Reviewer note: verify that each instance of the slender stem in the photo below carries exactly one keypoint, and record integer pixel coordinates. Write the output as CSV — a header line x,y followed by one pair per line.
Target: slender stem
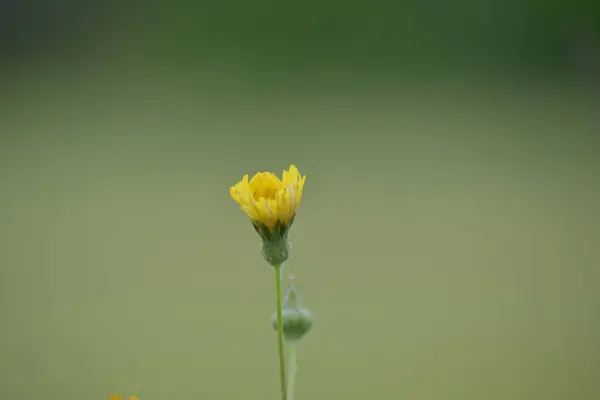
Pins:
x,y
292,369
280,332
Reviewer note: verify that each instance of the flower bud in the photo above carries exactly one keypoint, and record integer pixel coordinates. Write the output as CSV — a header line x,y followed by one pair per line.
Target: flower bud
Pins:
x,y
297,320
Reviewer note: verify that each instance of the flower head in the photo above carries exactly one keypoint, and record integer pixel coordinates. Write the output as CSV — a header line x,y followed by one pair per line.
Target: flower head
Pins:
x,y
268,200
271,205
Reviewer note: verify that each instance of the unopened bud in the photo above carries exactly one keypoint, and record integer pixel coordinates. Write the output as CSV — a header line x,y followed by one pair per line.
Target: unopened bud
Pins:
x,y
297,320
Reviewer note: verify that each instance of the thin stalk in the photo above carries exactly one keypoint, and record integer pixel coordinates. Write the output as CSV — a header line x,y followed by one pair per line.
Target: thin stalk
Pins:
x,y
292,369
280,345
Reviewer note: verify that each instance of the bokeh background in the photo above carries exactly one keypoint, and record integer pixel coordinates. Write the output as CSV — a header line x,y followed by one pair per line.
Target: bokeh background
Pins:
x,y
448,240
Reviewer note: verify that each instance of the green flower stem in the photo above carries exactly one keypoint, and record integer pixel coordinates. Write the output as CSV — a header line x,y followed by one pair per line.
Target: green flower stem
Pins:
x,y
292,369
277,269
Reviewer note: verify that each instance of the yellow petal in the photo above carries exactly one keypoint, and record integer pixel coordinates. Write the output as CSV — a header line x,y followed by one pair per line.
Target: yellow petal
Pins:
x,y
266,199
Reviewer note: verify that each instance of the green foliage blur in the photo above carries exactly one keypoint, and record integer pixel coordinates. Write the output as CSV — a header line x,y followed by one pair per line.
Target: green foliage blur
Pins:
x,y
529,34
403,34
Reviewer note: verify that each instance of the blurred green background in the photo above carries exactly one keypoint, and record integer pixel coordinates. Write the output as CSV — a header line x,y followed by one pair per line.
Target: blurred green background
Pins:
x,y
447,242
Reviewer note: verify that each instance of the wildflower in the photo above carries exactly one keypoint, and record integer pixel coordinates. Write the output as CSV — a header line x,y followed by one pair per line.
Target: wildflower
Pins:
x,y
271,205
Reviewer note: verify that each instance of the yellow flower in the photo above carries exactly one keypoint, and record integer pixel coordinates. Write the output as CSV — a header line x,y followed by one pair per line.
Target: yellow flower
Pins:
x,y
268,200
